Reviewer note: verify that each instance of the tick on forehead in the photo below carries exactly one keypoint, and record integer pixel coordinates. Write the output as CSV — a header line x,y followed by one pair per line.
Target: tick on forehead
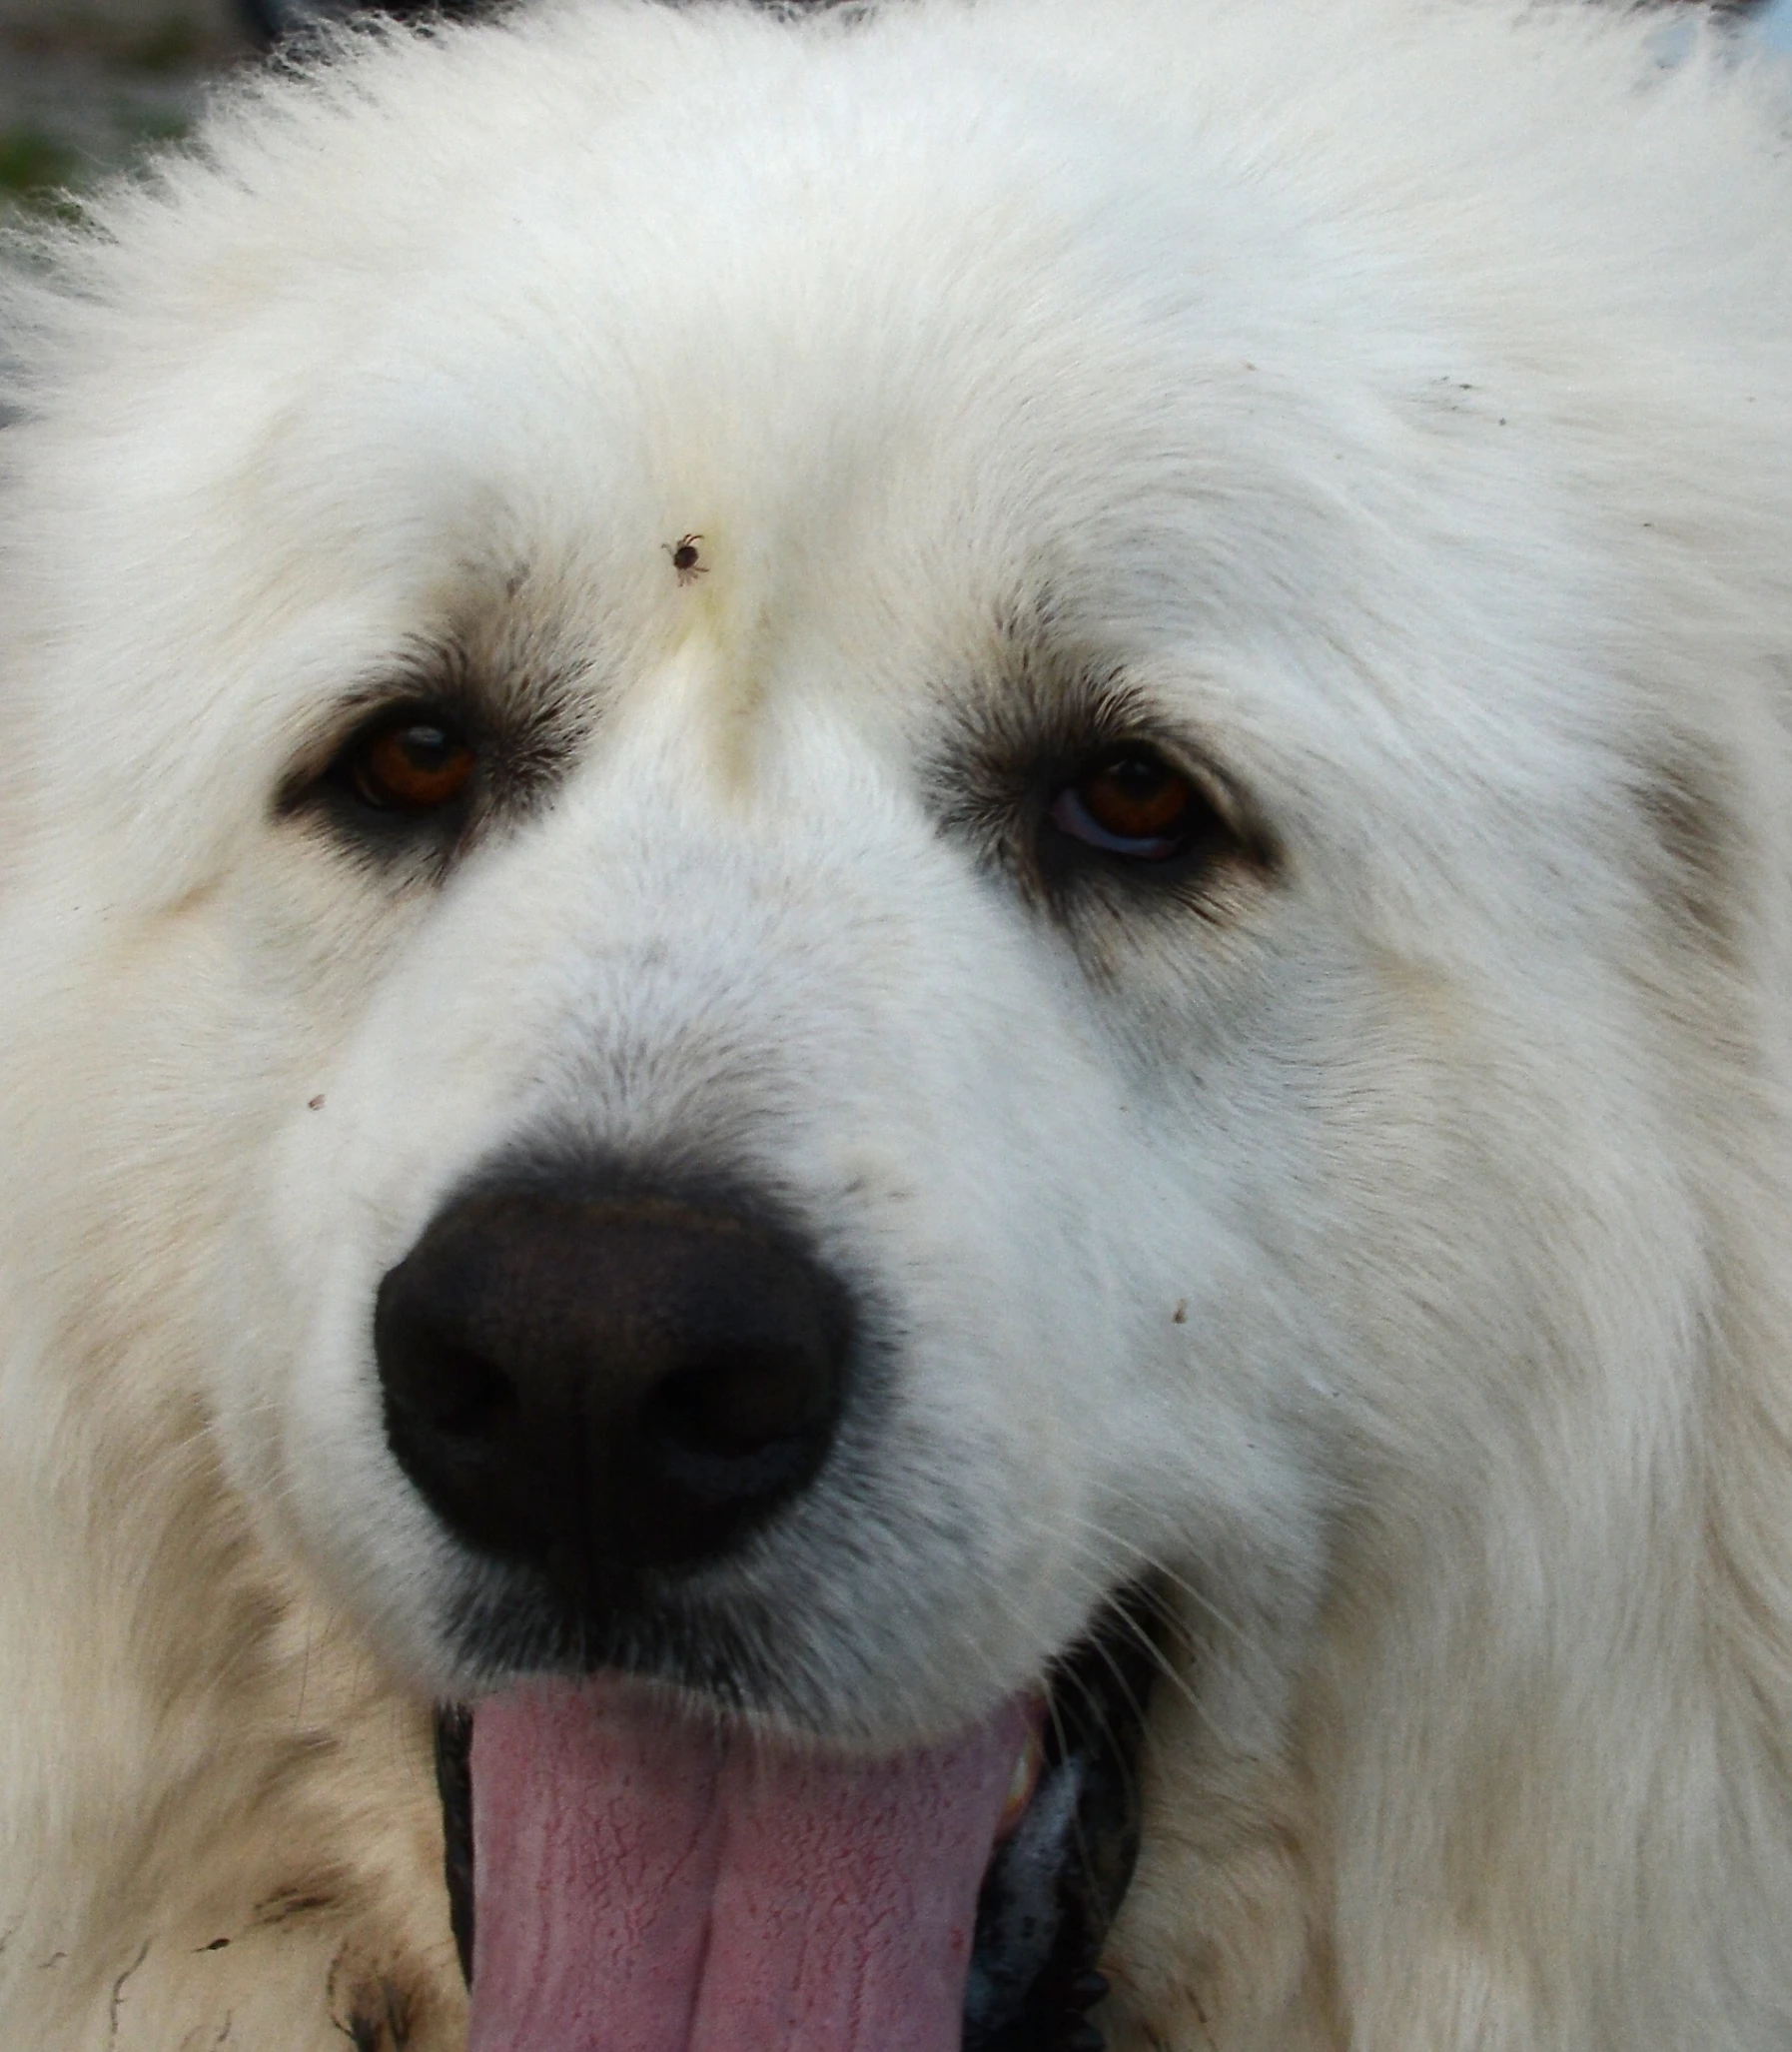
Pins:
x,y
685,559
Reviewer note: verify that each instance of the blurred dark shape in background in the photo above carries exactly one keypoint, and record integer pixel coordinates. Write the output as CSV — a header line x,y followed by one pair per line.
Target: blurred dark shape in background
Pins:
x,y
86,86
272,20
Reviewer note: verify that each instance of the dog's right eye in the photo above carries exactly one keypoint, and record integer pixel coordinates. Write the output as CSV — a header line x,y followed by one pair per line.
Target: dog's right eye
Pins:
x,y
1130,804
417,761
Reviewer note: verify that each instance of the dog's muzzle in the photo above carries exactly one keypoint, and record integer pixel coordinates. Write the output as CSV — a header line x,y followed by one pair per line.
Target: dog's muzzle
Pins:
x,y
609,1391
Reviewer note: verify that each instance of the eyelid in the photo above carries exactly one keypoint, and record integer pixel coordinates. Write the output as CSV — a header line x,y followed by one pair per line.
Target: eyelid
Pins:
x,y
359,715
1210,785
324,769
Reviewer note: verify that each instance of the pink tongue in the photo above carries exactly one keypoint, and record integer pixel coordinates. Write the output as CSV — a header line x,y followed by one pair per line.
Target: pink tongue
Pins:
x,y
649,1882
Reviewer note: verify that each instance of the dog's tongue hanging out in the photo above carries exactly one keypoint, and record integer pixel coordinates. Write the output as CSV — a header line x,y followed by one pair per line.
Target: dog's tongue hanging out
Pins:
x,y
649,1882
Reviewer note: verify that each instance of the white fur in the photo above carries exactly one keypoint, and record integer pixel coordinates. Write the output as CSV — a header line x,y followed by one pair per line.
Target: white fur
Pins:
x,y
1396,396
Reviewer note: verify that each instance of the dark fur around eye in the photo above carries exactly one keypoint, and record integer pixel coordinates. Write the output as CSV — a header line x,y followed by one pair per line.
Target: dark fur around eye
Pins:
x,y
411,777
356,796
1042,784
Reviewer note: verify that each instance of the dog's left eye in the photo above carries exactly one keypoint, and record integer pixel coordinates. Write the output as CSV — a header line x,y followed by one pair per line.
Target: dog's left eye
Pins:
x,y
415,763
1134,803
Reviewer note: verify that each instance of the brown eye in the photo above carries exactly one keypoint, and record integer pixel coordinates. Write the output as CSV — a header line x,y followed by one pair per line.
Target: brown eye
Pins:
x,y
1134,803
419,764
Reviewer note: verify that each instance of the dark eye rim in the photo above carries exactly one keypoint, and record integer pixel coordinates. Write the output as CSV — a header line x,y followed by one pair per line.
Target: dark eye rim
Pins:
x,y
346,786
355,767
1070,841
1070,810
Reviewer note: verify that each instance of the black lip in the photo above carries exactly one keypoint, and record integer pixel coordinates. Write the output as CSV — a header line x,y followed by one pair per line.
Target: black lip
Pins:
x,y
1055,1882
453,1781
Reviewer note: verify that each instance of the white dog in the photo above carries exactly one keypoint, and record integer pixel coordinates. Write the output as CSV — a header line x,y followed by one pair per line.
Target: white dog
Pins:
x,y
897,921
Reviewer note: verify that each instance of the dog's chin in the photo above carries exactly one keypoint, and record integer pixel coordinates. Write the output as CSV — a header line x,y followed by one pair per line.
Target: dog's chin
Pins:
x,y
633,1864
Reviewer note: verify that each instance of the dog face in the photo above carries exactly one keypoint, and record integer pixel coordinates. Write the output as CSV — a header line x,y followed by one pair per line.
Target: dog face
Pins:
x,y
760,931
908,689
1033,780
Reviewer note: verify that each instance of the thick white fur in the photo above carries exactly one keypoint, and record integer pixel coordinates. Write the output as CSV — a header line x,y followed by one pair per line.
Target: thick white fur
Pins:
x,y
1397,397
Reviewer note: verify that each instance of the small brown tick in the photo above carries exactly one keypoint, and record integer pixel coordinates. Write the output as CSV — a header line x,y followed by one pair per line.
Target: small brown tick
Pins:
x,y
683,552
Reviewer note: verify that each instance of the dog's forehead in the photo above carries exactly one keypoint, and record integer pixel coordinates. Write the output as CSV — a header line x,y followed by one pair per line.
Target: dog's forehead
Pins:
x,y
884,408
666,276
824,376
896,421
945,347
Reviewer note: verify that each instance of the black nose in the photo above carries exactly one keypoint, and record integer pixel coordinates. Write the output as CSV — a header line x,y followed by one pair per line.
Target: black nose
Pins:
x,y
597,1386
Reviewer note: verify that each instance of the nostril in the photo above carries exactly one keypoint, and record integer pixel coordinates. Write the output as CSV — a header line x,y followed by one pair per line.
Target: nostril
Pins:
x,y
744,1400
434,1381
736,1430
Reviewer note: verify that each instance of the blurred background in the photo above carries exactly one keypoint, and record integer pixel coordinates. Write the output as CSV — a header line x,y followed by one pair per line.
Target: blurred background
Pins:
x,y
85,85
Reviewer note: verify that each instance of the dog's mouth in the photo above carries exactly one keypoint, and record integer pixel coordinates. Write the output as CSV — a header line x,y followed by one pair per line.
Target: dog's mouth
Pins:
x,y
654,1880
